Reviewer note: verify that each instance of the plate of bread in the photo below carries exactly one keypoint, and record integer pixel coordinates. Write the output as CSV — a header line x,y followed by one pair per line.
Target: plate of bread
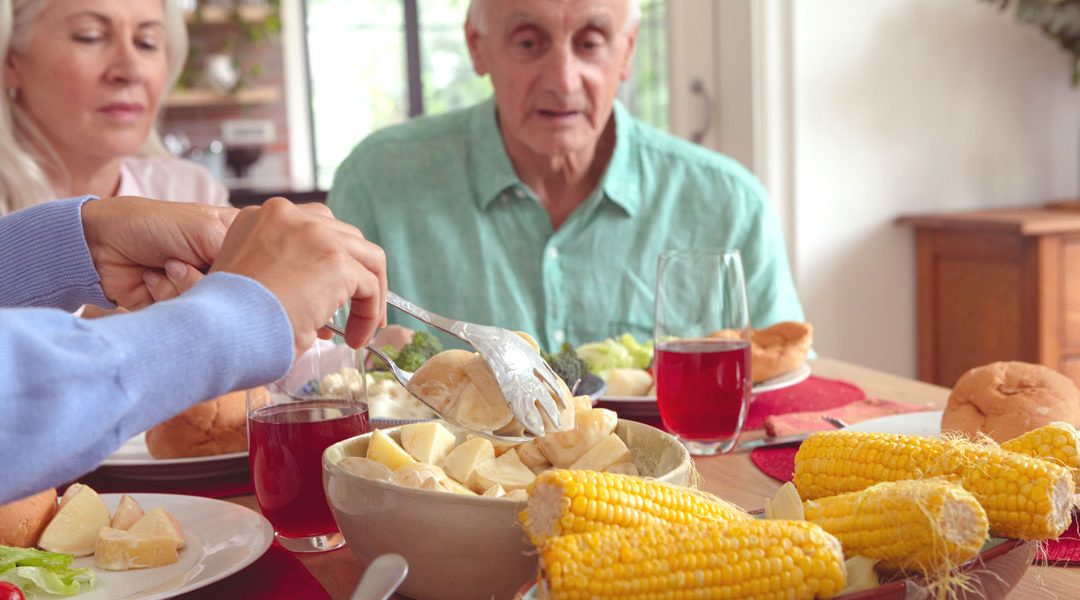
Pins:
x,y
206,440
139,545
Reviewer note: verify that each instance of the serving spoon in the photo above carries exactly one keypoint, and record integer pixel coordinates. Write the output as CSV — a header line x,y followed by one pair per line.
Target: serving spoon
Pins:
x,y
382,578
528,384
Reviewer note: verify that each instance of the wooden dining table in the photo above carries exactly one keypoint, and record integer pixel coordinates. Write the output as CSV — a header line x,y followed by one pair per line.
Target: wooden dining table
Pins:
x,y
734,478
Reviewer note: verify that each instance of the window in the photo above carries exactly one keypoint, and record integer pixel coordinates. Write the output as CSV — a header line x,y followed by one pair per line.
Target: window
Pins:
x,y
373,63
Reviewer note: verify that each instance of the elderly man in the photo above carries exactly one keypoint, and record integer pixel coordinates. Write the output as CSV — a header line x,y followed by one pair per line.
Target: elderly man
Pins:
x,y
545,209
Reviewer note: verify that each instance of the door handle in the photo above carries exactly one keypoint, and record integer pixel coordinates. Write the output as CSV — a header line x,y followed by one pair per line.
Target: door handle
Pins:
x,y
697,88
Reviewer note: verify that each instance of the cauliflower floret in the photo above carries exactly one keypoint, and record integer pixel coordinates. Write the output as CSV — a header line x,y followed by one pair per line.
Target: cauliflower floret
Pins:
x,y
346,384
387,399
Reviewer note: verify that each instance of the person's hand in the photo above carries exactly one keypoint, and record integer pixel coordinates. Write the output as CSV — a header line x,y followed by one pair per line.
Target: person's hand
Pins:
x,y
313,263
129,237
179,277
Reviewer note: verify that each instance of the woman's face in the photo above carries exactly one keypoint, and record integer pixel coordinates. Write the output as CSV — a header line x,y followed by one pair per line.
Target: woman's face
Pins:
x,y
91,74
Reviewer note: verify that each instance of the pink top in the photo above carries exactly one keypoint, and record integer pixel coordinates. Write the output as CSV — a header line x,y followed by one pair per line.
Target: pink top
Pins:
x,y
169,178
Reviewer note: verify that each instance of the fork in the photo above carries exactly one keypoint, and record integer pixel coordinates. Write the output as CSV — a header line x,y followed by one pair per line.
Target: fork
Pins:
x,y
528,384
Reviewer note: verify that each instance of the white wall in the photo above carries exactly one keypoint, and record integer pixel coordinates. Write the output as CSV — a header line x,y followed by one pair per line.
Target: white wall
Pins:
x,y
912,106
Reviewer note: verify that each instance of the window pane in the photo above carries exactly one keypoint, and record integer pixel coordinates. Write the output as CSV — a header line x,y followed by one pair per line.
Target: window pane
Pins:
x,y
356,58
358,69
448,78
646,93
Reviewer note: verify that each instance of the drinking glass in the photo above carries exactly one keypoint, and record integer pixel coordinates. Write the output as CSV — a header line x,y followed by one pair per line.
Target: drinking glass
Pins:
x,y
289,428
702,348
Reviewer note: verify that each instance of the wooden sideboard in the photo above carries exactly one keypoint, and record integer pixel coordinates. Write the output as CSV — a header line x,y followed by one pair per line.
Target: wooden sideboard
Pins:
x,y
997,285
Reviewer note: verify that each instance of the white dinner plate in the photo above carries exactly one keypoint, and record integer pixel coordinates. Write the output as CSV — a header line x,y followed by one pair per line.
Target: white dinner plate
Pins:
x,y
920,423
779,382
221,538
133,461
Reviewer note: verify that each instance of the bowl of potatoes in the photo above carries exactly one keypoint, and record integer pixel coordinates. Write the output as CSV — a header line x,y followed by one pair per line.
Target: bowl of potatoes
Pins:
x,y
448,501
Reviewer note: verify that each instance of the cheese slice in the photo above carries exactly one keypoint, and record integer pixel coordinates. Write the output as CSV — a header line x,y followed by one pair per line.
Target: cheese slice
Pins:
x,y
159,523
119,550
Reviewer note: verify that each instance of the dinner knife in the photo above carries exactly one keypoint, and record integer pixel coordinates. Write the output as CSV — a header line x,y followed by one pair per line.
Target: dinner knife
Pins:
x,y
770,442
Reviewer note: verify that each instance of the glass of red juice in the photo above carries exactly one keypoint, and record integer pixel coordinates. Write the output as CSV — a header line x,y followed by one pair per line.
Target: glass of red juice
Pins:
x,y
702,348
321,401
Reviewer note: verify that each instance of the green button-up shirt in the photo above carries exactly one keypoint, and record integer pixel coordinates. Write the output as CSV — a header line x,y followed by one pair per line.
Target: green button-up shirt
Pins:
x,y
466,238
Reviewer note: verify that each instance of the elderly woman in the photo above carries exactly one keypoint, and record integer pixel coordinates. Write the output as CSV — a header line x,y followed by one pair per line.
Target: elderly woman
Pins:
x,y
83,83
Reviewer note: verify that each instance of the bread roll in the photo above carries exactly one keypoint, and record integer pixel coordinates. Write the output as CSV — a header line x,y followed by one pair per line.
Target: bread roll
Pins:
x,y
1006,399
779,348
776,349
217,426
22,521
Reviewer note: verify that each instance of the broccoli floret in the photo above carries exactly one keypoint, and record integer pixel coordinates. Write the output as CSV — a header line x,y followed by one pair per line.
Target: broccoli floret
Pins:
x,y
422,347
567,364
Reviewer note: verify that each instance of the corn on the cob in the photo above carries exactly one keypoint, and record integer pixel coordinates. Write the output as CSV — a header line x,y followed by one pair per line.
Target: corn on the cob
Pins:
x,y
925,527
735,559
1024,497
563,501
1058,442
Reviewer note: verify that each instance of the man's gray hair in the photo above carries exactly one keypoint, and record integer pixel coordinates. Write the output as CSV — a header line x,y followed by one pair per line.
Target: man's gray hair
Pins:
x,y
476,14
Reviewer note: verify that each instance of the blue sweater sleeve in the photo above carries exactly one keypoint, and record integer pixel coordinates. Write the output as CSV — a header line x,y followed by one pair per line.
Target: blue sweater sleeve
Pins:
x,y
74,390
44,260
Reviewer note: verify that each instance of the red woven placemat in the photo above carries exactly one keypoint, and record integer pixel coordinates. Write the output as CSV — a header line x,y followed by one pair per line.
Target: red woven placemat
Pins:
x,y
276,575
778,463
816,393
1064,551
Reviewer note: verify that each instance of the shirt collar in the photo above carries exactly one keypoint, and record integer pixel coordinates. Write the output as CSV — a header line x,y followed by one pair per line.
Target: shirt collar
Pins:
x,y
493,173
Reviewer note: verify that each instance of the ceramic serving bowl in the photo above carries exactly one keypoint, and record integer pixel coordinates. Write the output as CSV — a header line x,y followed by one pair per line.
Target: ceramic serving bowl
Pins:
x,y
460,547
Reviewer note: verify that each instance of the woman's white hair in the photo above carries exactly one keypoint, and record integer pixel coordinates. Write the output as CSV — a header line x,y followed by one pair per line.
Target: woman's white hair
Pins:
x,y
476,14
28,163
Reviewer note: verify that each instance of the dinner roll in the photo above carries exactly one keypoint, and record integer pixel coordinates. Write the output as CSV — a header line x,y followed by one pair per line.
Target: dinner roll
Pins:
x,y
1006,399
779,348
217,426
22,521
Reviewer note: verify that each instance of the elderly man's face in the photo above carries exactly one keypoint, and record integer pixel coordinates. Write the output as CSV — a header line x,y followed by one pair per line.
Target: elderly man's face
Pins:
x,y
555,65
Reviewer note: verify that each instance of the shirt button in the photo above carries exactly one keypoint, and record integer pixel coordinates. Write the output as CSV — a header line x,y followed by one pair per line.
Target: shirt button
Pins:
x,y
553,253
559,335
519,193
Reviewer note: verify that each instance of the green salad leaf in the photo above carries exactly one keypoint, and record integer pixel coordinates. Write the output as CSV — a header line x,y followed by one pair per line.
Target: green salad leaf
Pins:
x,y
38,571
625,352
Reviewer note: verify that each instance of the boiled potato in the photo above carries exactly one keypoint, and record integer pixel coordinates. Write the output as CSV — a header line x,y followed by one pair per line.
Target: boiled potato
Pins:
x,y
481,405
564,448
427,442
127,513
610,455
427,477
463,460
384,449
532,457
441,379
365,467
74,529
506,471
629,382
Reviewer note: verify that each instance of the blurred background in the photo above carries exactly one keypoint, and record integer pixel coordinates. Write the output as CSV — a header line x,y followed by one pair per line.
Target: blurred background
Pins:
x,y
854,113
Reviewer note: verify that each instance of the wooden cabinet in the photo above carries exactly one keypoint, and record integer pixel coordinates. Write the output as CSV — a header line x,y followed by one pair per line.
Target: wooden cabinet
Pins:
x,y
997,285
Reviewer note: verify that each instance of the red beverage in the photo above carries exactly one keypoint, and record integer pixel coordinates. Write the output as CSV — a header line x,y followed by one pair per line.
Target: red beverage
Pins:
x,y
286,447
703,387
